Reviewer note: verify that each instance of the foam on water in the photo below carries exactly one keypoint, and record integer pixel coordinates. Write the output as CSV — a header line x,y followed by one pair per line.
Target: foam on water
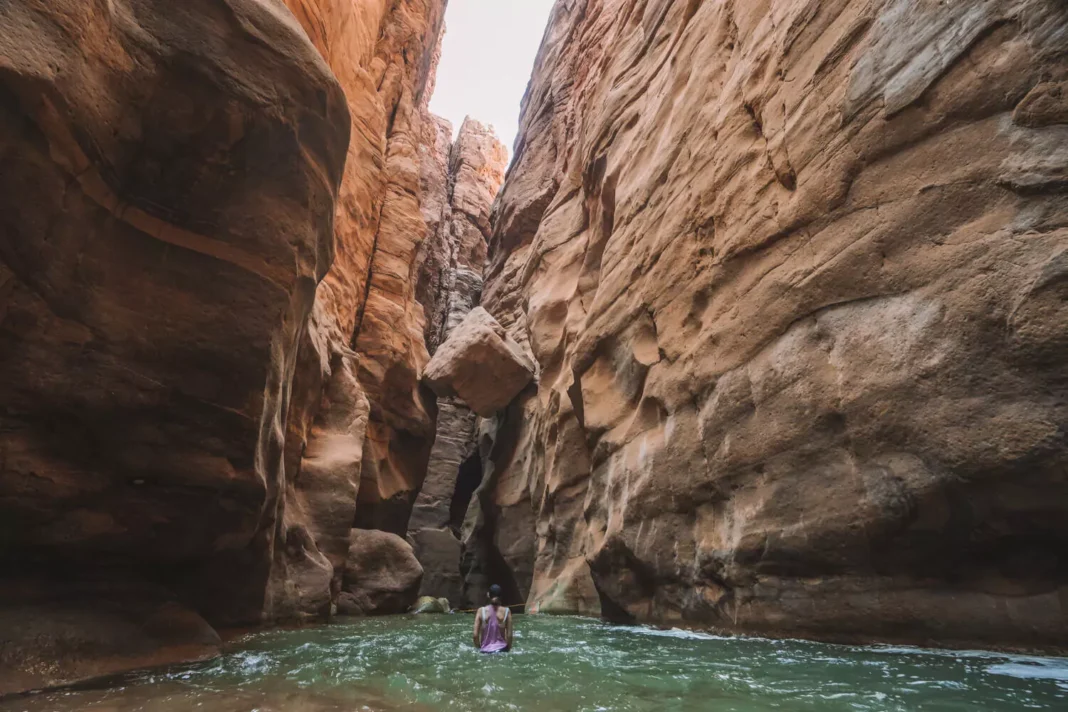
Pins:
x,y
426,664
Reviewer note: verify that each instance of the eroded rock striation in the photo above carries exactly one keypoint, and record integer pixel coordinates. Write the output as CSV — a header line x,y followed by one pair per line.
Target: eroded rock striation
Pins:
x,y
794,275
168,188
209,330
360,426
460,181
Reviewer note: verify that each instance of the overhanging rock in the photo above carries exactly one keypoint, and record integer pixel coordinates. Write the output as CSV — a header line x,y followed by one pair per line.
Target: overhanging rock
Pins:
x,y
479,364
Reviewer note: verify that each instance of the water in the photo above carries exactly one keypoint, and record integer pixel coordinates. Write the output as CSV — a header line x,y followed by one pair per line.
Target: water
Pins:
x,y
568,664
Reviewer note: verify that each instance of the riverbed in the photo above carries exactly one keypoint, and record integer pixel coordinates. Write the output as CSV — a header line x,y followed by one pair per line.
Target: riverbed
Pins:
x,y
426,663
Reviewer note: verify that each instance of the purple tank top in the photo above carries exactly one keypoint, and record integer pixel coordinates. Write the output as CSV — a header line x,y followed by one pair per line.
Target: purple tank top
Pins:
x,y
493,640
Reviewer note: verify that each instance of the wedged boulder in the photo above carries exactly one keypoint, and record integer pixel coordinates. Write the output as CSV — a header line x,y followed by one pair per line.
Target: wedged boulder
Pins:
x,y
382,575
480,364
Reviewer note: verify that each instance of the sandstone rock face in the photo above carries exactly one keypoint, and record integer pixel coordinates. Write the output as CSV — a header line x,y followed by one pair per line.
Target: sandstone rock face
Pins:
x,y
359,426
382,575
439,553
459,184
479,364
61,635
209,334
794,276
168,190
475,166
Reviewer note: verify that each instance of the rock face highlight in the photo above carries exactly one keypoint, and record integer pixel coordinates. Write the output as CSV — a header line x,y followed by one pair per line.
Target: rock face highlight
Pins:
x,y
359,425
794,278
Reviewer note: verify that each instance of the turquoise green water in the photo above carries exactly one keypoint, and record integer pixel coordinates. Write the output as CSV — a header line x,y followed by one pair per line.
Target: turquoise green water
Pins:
x,y
570,664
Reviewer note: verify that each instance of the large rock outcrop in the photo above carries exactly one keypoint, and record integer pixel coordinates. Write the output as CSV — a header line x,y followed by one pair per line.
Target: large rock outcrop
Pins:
x,y
382,575
167,196
795,276
209,333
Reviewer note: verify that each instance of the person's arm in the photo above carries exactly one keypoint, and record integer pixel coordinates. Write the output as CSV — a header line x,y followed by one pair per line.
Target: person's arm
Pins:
x,y
508,629
477,637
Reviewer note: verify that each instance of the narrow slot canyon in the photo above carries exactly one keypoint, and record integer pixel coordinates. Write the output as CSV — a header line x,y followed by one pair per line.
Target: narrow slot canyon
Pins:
x,y
753,324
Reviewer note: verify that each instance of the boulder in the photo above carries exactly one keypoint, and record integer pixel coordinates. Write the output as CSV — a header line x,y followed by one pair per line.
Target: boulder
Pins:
x,y
429,604
479,364
382,575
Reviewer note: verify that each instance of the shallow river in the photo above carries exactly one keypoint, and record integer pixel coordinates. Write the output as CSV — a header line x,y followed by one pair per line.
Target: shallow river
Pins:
x,y
568,664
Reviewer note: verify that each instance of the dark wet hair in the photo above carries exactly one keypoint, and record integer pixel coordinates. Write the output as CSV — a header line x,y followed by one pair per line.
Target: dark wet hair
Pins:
x,y
495,594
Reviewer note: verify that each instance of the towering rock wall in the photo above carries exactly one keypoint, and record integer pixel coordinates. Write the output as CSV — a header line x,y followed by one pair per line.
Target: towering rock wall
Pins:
x,y
460,181
168,183
360,427
794,274
209,332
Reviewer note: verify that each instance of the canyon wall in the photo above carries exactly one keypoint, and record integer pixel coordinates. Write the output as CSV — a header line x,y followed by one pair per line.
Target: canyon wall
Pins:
x,y
460,181
209,330
795,277
360,426
168,191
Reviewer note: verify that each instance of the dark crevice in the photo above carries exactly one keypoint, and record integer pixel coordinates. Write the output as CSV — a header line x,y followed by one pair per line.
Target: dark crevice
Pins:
x,y
467,481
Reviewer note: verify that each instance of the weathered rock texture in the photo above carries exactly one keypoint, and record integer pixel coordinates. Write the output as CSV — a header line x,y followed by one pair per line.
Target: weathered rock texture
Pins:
x,y
382,575
360,426
795,277
459,184
55,635
479,364
191,401
167,194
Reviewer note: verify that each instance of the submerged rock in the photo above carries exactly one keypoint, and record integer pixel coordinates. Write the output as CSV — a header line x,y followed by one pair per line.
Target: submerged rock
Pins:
x,y
382,575
479,364
429,604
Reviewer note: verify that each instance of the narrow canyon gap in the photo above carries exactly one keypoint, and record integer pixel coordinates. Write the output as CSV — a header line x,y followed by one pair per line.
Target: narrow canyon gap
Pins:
x,y
765,331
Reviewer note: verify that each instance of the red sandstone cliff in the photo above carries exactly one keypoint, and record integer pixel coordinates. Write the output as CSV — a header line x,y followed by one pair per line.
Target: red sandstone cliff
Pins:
x,y
360,426
169,187
794,274
209,331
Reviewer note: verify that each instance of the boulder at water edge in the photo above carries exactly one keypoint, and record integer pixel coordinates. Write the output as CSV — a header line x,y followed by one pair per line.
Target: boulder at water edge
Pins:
x,y
382,575
429,604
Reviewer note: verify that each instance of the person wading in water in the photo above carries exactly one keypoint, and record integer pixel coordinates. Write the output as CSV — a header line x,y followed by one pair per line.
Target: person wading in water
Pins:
x,y
493,624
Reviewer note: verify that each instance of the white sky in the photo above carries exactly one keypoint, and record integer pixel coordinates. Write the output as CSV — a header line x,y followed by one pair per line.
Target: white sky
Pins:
x,y
486,61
